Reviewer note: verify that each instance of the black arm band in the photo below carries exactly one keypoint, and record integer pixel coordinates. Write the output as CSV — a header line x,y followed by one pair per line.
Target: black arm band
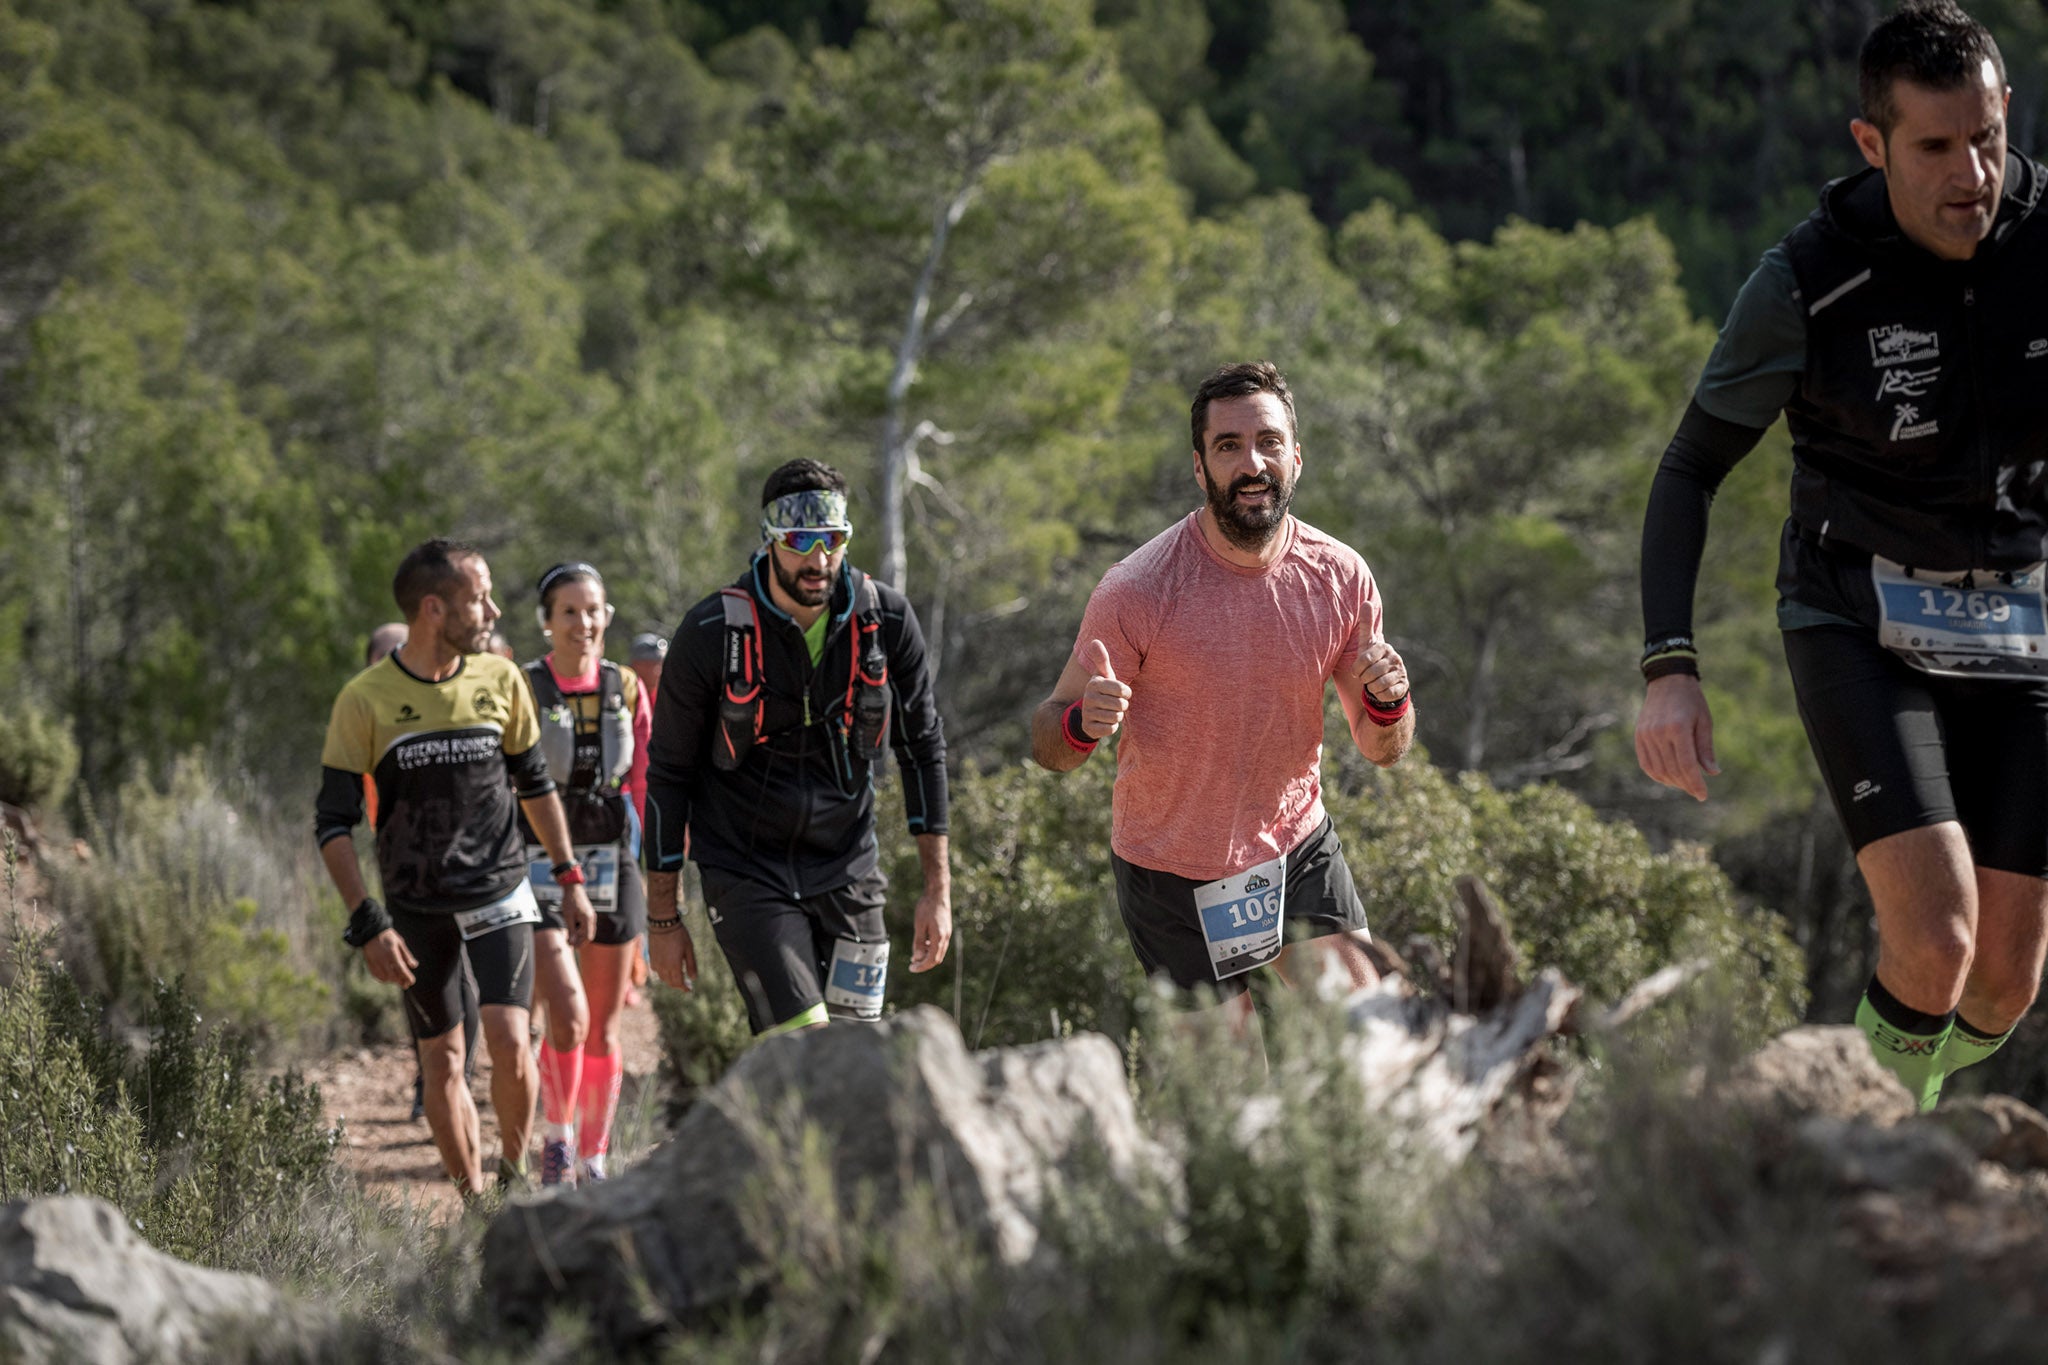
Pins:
x,y
1070,721
369,920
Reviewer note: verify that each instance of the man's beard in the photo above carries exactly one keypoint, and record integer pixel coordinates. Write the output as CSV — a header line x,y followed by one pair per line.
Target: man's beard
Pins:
x,y
463,638
798,593
1248,528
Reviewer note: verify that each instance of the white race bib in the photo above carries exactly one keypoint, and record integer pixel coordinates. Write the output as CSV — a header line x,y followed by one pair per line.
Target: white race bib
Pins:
x,y
600,864
1969,625
858,977
1241,917
515,907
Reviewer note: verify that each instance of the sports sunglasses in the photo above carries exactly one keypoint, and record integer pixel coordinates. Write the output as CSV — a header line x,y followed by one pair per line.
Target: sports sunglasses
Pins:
x,y
804,539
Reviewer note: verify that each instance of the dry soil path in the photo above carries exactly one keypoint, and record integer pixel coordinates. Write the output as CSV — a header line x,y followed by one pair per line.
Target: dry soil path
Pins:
x,y
368,1091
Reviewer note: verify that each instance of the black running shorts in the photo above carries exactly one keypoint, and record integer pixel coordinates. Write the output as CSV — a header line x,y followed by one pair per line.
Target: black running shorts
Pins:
x,y
1901,749
626,921
780,948
1166,932
501,960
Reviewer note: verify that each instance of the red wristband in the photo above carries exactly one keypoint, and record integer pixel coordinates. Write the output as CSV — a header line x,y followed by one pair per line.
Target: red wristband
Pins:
x,y
1380,713
572,877
1071,731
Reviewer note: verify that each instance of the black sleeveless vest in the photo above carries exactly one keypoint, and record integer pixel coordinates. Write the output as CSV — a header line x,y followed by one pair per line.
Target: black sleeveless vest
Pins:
x,y
1920,428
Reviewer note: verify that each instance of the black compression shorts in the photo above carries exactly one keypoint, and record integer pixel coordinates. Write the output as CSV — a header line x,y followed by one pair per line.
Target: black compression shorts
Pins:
x,y
1901,749
501,960
1166,930
624,922
780,948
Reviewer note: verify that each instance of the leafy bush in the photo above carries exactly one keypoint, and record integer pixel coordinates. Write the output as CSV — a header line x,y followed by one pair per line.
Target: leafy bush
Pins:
x,y
200,1155
37,758
1038,947
191,888
1584,895
703,1030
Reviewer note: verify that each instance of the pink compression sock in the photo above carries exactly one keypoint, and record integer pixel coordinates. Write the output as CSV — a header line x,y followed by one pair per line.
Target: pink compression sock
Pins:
x,y
601,1080
561,1075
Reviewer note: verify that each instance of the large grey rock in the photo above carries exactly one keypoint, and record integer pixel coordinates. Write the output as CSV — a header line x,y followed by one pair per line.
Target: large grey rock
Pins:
x,y
901,1115
77,1285
1818,1070
1996,1128
1851,1156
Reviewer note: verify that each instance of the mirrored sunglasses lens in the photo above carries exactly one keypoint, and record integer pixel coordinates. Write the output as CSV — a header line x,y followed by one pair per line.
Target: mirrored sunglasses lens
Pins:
x,y
804,542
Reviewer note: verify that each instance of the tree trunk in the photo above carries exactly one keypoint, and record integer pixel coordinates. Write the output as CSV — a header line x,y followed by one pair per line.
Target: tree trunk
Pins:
x,y
910,348
1479,693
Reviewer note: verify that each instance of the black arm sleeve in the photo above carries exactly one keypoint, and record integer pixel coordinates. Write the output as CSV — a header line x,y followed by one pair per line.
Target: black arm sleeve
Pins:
x,y
529,773
1675,525
339,807
691,679
916,732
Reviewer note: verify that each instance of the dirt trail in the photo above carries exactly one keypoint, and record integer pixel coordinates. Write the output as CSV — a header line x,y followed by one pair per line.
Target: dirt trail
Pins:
x,y
369,1092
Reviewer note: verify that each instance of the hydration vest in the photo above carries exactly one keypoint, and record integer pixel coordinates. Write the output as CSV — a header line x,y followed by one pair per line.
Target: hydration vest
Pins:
x,y
862,722
558,727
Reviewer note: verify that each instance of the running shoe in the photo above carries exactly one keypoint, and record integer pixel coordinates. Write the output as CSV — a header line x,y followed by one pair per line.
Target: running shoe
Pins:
x,y
593,1170
557,1163
512,1178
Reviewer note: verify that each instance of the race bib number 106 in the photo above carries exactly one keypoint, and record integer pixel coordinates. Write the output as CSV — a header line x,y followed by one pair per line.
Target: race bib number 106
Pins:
x,y
1241,917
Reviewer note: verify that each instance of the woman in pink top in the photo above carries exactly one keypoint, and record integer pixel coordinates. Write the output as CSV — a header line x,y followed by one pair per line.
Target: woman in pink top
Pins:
x,y
595,720
1210,648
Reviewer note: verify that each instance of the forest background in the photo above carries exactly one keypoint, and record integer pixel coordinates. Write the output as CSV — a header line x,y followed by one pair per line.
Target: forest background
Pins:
x,y
286,287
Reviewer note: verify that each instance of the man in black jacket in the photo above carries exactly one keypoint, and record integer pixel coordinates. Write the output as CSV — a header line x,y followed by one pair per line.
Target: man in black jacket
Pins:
x,y
778,697
1903,332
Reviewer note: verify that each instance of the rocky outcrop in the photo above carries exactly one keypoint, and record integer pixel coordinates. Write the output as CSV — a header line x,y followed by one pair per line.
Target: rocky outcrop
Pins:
x,y
813,1135
1818,1070
77,1285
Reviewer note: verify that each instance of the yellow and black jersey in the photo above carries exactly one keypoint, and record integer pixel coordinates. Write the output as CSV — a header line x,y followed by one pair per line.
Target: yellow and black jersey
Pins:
x,y
447,834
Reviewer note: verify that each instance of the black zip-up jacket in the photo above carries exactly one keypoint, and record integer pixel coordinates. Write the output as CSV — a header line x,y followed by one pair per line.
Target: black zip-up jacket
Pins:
x,y
798,813
1920,429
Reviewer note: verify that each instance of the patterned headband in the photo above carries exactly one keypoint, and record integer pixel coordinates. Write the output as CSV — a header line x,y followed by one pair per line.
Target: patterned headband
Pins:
x,y
813,509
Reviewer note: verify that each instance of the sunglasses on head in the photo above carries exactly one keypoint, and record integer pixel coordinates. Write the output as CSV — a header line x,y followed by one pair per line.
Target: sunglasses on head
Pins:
x,y
804,539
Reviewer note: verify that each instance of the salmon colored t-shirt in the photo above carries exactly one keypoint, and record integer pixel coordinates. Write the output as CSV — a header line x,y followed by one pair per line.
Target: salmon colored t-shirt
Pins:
x,y
1220,765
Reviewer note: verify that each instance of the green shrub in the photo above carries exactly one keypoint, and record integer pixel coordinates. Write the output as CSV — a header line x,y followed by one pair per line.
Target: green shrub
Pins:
x,y
200,1155
1585,895
703,1030
189,887
1038,947
37,758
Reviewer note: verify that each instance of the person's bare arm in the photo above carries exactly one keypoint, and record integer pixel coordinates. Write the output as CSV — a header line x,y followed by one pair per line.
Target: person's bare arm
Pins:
x,y
669,950
932,929
1105,700
386,955
1675,735
1377,670
551,826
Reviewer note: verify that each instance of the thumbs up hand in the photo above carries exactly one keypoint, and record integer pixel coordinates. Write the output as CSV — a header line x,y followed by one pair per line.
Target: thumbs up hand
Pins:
x,y
1104,700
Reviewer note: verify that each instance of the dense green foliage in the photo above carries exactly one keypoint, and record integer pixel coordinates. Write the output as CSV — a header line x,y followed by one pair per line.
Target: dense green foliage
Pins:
x,y
37,758
287,286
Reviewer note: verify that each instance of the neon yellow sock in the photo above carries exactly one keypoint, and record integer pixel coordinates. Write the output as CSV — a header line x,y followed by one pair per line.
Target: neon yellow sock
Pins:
x,y
816,1014
1913,1056
1968,1045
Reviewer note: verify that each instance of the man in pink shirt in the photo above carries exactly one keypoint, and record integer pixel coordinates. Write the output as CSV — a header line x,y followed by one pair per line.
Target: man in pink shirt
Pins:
x,y
1210,647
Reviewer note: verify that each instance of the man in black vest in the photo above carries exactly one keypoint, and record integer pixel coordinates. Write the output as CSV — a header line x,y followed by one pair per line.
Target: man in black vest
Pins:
x,y
779,696
1903,331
